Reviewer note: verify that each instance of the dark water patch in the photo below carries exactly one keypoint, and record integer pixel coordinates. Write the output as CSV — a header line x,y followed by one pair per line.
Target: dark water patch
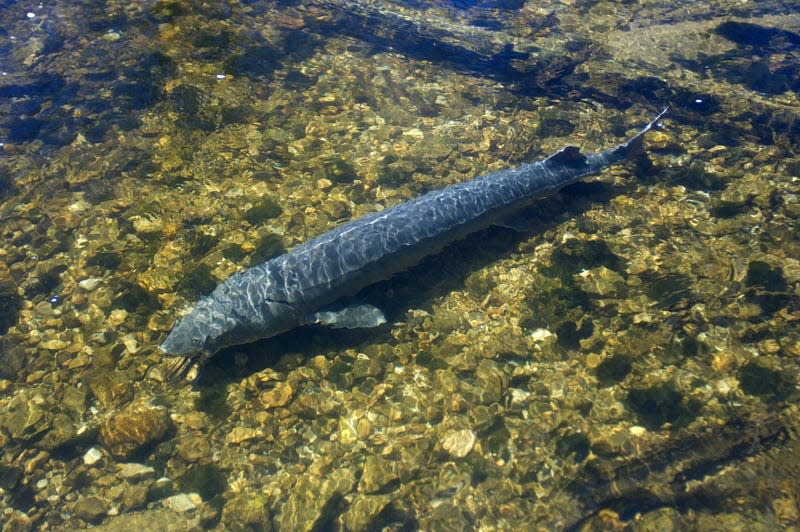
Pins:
x,y
254,62
495,438
575,444
755,35
233,252
297,81
200,243
213,38
264,209
13,359
769,384
763,275
166,10
105,260
570,334
100,17
668,289
613,369
269,245
661,404
337,170
197,282
556,127
549,305
213,401
695,177
41,86
136,299
207,480
576,255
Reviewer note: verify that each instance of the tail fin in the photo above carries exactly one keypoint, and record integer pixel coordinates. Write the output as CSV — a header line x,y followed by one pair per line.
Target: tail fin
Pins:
x,y
634,145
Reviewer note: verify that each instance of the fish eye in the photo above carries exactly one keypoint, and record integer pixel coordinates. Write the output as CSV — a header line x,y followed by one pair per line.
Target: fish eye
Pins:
x,y
196,341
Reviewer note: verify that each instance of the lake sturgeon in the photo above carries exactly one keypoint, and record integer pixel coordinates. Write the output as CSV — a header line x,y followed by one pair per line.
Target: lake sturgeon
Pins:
x,y
303,286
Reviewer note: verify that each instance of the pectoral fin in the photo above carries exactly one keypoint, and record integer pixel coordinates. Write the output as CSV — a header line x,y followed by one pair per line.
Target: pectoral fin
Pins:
x,y
355,317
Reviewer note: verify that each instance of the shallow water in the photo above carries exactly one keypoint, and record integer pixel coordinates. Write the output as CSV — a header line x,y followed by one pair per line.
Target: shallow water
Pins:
x,y
632,360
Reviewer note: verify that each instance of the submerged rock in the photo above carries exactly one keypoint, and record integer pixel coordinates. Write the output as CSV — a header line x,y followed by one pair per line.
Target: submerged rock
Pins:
x,y
134,427
246,511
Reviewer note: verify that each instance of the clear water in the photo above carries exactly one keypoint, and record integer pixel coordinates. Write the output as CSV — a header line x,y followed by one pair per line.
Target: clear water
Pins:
x,y
632,360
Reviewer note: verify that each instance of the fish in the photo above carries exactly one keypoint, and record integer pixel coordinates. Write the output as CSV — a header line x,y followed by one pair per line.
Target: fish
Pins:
x,y
304,285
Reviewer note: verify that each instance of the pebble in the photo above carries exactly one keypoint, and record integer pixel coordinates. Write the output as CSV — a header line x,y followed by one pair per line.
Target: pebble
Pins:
x,y
92,456
278,396
242,434
182,502
117,317
134,471
90,508
131,343
134,427
90,284
458,442
54,345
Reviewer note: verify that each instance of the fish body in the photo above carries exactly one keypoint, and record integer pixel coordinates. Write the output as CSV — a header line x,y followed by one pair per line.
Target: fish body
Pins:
x,y
300,286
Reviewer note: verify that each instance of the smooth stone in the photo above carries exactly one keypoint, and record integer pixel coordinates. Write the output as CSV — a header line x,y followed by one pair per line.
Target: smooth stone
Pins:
x,y
134,427
92,456
458,442
182,502
90,284
134,471
90,508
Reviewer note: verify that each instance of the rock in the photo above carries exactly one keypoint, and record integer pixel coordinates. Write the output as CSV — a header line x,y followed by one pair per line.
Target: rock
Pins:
x,y
133,471
278,396
314,499
54,345
242,434
17,521
159,519
117,317
112,388
163,487
246,511
135,496
62,431
90,284
362,512
26,416
376,475
600,281
134,427
90,509
661,519
183,502
458,442
92,456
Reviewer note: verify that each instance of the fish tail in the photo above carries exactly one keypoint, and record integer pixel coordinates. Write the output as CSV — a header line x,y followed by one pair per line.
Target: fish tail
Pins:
x,y
635,145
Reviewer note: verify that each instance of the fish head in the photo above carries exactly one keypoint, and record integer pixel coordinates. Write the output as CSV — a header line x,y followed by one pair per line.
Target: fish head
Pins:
x,y
220,321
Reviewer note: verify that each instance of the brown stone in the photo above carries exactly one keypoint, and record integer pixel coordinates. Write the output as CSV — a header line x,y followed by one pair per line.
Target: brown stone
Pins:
x,y
134,427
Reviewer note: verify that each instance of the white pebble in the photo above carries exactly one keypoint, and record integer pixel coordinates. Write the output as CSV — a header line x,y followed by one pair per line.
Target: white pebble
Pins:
x,y
182,502
92,456
90,284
